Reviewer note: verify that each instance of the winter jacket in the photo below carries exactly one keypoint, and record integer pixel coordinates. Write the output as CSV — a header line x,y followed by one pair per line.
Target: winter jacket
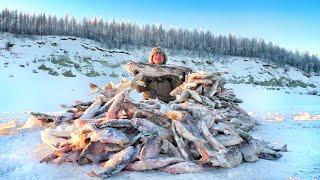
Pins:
x,y
159,87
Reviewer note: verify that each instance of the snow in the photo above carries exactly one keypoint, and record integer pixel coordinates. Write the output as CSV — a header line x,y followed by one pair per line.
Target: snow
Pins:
x,y
261,100
21,154
27,91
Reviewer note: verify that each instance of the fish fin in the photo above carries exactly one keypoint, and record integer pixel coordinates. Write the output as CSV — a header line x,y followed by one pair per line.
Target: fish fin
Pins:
x,y
112,85
140,83
94,88
123,80
140,157
109,86
203,152
92,174
62,159
139,76
63,106
48,158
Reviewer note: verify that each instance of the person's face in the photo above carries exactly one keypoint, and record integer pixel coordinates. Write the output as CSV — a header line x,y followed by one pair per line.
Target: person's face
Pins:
x,y
158,58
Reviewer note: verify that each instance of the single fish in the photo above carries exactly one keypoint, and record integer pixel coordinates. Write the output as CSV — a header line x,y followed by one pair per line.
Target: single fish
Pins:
x,y
180,143
31,123
195,95
180,89
94,88
184,167
176,115
214,89
81,123
197,76
148,128
196,110
9,124
180,98
226,129
245,136
115,123
152,115
92,110
72,156
48,137
207,101
249,151
212,141
110,90
170,149
229,140
230,159
149,164
151,148
277,148
78,105
156,70
103,109
8,128
112,147
116,163
110,135
116,105
183,131
91,152
56,117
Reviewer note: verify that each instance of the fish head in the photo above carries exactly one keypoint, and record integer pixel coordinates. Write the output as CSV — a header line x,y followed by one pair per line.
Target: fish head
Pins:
x,y
108,87
123,80
94,88
131,66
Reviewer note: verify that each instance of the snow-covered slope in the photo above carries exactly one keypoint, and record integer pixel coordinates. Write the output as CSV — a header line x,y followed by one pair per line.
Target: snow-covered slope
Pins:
x,y
71,57
255,71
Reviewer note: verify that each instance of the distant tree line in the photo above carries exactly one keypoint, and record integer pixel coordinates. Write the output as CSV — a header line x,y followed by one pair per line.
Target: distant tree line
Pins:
x,y
119,34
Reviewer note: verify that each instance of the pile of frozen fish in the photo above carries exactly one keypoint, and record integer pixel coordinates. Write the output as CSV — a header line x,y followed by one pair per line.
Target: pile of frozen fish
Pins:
x,y
203,127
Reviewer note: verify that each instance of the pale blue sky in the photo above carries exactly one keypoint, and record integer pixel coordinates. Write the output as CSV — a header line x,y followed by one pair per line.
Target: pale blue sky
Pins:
x,y
293,24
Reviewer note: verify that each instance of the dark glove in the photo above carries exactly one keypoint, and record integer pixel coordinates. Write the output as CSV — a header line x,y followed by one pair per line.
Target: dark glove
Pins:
x,y
141,89
183,77
175,81
146,95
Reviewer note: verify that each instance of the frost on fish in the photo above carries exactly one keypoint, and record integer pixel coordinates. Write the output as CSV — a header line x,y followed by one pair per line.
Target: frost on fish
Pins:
x,y
184,167
150,164
116,163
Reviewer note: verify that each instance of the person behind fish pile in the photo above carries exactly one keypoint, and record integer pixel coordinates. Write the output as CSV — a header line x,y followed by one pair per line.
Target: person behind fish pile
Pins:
x,y
159,87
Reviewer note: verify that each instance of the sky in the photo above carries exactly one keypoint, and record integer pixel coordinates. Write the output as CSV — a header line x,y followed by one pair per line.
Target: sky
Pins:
x,y
293,24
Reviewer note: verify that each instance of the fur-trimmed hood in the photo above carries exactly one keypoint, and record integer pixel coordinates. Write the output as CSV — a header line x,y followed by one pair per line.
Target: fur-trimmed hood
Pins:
x,y
157,49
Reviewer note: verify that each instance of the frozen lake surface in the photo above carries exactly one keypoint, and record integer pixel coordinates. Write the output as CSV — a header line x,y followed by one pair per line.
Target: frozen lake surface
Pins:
x,y
20,153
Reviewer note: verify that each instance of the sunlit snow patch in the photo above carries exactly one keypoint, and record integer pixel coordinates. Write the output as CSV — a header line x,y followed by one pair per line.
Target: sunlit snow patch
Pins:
x,y
305,116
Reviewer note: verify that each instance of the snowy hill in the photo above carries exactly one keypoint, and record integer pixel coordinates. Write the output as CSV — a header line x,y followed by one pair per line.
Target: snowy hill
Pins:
x,y
77,57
